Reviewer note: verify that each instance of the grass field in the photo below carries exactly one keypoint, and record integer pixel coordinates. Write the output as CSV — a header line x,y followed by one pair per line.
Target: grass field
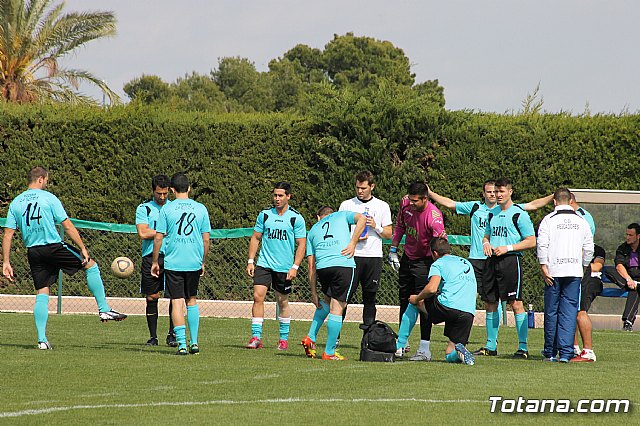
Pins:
x,y
103,374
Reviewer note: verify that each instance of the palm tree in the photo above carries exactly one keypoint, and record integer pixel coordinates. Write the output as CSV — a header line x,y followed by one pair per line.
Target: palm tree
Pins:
x,y
33,37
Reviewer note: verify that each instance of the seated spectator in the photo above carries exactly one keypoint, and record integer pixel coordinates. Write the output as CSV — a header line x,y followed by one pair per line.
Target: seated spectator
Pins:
x,y
627,263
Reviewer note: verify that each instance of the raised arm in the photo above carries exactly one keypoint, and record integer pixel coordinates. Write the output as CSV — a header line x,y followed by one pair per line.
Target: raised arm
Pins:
x,y
538,203
442,200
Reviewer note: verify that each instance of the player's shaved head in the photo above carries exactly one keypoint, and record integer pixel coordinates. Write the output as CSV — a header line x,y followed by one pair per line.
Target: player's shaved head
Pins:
x,y
324,211
36,173
562,196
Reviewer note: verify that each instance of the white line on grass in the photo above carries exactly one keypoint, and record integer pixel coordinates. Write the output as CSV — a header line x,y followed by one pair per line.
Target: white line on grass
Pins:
x,y
236,402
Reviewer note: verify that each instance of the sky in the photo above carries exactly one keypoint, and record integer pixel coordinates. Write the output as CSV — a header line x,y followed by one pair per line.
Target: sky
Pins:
x,y
487,54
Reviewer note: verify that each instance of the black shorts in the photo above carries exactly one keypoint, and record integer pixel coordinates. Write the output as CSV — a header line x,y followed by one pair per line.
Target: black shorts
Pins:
x,y
182,284
337,282
368,272
457,324
268,277
148,283
479,265
502,279
47,261
590,288
413,275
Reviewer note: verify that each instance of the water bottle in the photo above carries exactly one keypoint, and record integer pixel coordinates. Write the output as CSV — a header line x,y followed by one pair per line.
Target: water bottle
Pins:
x,y
531,316
365,232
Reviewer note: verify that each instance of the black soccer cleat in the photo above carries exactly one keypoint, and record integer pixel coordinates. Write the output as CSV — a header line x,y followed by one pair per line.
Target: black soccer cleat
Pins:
x,y
171,340
520,354
152,342
486,352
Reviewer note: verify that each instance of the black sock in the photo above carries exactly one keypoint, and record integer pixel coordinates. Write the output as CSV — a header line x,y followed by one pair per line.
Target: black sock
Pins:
x,y
171,318
152,317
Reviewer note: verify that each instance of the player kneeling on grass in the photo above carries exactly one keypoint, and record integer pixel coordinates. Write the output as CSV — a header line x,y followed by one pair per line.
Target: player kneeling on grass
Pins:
x,y
35,213
330,249
449,297
187,228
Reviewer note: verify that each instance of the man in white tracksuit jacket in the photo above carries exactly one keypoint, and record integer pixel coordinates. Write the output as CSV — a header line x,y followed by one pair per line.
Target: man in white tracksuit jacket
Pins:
x,y
565,246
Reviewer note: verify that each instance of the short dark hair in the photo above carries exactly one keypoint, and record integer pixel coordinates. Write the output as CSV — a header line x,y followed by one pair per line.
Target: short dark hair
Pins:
x,y
160,181
635,226
325,210
418,188
441,245
180,183
503,182
488,182
365,176
562,195
36,173
283,185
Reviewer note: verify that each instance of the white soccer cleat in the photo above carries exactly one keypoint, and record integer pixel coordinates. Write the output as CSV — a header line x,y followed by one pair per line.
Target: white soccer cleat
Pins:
x,y
421,356
399,353
43,346
111,316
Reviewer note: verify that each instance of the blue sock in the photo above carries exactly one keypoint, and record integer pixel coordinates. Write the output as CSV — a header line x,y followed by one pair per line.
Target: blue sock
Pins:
x,y
334,325
181,335
94,282
522,325
41,315
452,357
318,318
193,319
409,319
256,327
284,328
493,325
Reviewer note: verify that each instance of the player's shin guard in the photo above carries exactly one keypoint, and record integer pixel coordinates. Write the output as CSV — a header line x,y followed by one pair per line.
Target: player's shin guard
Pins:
x,y
193,319
41,315
523,330
334,325
181,336
284,328
452,357
256,327
94,282
493,325
409,319
318,318
152,317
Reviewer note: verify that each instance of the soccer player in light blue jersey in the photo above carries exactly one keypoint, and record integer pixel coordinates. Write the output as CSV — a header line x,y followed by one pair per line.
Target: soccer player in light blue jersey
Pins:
x,y
449,297
478,211
146,220
278,230
509,231
330,249
186,226
35,213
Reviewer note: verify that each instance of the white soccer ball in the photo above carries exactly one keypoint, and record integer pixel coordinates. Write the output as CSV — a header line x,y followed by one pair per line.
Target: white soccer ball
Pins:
x,y
122,267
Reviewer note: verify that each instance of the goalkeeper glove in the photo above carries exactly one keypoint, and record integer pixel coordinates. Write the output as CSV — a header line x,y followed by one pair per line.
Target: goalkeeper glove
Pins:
x,y
393,260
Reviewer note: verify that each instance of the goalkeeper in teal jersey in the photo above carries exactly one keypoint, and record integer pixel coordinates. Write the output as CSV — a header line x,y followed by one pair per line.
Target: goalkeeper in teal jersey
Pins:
x,y
35,213
187,228
278,230
330,249
509,231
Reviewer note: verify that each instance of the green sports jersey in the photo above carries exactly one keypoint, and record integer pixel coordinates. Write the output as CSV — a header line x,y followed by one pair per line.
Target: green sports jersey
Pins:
x,y
458,287
35,213
183,222
279,234
508,227
329,237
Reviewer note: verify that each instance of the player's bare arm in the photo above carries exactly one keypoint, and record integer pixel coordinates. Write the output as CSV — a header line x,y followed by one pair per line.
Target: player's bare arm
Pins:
x,y
443,201
538,203
206,240
73,233
312,280
7,269
145,232
300,251
157,244
253,249
361,223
